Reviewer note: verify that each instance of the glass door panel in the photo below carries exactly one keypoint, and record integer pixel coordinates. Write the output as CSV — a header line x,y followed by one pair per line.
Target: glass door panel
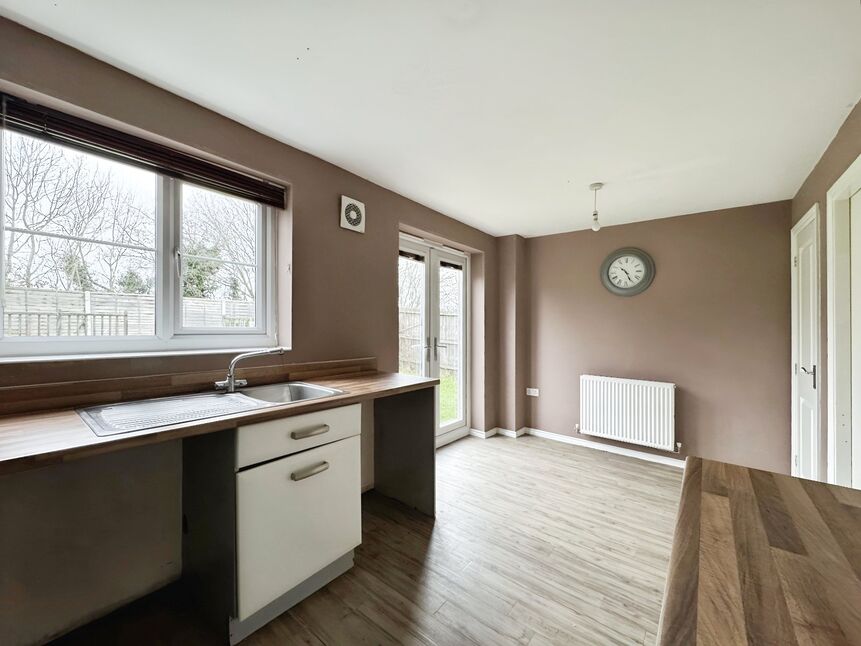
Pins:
x,y
412,336
449,350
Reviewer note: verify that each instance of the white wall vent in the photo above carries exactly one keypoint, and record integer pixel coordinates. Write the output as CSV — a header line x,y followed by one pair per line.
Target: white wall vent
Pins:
x,y
352,214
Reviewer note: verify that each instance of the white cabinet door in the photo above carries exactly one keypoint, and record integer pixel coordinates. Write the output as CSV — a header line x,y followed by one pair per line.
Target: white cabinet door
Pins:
x,y
294,517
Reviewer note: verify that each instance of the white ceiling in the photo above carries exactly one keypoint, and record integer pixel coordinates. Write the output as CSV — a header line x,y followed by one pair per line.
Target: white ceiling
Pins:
x,y
501,112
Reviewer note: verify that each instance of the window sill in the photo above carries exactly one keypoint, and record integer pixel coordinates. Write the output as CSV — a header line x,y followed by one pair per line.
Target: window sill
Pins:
x,y
94,356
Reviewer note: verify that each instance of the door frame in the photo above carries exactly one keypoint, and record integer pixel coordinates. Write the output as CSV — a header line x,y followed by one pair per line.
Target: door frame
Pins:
x,y
812,216
415,244
844,466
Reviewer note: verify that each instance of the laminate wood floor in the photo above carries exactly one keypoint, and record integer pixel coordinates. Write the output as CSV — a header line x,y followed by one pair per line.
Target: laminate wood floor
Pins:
x,y
535,542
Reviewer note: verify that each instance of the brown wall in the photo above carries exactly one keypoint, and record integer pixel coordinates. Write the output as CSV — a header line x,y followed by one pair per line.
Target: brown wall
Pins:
x,y
715,322
513,332
344,284
841,152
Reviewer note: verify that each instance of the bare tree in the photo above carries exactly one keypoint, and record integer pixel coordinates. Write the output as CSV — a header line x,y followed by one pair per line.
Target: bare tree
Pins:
x,y
59,204
411,286
450,290
411,283
224,228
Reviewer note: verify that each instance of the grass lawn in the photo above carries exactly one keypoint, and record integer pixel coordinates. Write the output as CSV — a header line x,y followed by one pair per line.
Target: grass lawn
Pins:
x,y
447,398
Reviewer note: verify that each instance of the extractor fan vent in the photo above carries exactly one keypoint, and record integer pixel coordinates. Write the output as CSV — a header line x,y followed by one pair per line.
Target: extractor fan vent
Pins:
x,y
352,214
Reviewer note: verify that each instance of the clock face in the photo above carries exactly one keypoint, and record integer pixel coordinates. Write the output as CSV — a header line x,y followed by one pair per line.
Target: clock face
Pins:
x,y
626,271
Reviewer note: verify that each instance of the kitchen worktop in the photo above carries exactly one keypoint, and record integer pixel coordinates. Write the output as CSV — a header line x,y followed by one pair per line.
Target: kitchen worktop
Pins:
x,y
763,558
41,438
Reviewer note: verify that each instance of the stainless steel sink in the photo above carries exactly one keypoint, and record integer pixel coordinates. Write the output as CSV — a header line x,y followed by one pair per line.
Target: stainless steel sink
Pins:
x,y
291,391
128,417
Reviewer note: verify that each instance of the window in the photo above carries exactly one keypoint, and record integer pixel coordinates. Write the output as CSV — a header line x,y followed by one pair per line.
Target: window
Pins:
x,y
102,256
220,235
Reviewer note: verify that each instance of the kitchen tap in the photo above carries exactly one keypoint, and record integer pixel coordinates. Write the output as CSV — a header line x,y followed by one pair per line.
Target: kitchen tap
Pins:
x,y
231,383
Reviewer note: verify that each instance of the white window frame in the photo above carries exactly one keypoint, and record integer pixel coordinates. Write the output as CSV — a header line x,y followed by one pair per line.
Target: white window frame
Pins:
x,y
266,259
169,335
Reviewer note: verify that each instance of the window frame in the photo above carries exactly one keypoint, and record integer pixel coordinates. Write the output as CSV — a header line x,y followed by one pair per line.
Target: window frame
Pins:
x,y
169,335
261,279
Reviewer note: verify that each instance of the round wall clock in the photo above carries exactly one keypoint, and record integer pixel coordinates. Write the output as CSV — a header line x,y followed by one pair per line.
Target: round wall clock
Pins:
x,y
628,271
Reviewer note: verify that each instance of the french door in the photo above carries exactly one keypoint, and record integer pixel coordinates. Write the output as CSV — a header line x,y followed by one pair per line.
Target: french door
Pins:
x,y
432,318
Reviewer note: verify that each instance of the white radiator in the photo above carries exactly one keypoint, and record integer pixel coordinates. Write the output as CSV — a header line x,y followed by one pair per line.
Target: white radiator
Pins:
x,y
629,410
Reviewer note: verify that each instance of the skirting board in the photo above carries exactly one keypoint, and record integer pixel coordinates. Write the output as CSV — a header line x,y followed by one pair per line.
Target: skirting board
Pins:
x,y
507,433
609,448
483,434
567,439
497,431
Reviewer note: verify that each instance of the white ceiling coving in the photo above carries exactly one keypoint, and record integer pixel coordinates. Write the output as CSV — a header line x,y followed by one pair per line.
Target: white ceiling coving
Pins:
x,y
500,113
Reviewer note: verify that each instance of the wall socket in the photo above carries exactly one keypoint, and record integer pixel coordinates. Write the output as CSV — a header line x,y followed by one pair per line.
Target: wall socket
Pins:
x,y
532,392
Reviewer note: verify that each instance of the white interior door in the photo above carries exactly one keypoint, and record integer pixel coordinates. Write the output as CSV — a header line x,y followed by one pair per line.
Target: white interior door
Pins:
x,y
432,318
805,347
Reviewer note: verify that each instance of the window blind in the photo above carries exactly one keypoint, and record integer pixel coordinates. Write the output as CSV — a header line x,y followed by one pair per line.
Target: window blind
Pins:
x,y
67,130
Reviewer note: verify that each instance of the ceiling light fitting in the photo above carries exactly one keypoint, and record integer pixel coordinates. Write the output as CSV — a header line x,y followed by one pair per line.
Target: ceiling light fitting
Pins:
x,y
597,186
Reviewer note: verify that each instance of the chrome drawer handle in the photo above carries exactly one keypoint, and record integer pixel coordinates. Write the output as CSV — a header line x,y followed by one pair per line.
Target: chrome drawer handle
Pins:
x,y
296,476
310,432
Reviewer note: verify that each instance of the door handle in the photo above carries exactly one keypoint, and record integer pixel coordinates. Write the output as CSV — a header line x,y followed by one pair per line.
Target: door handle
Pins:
x,y
296,476
310,432
436,346
812,373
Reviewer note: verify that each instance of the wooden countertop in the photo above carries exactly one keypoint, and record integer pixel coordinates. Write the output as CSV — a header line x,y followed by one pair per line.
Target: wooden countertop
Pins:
x,y
762,558
37,439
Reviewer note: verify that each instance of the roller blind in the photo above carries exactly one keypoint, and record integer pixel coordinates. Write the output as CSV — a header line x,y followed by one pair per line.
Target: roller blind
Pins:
x,y
67,130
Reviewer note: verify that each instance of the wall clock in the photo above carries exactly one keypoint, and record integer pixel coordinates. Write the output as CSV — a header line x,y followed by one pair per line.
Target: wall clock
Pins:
x,y
628,271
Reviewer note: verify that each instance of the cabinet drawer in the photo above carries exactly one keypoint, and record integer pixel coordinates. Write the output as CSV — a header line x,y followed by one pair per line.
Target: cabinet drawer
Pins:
x,y
293,518
268,440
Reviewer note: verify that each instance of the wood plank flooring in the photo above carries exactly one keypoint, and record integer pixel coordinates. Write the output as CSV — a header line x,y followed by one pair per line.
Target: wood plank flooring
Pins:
x,y
535,542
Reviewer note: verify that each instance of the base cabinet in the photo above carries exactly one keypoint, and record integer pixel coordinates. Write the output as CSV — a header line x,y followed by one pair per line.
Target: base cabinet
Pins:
x,y
295,516
259,537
